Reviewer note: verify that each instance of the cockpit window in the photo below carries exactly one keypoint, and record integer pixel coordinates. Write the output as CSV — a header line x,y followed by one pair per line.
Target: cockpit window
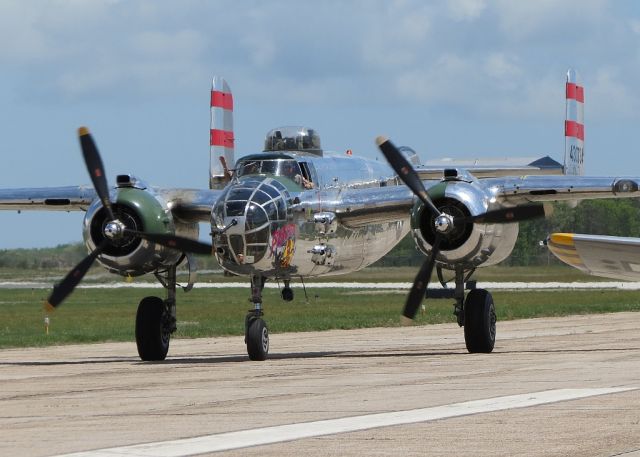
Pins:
x,y
278,167
251,167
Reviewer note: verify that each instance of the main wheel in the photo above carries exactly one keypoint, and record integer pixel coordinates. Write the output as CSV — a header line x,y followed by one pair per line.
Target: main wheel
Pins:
x,y
152,334
479,321
257,339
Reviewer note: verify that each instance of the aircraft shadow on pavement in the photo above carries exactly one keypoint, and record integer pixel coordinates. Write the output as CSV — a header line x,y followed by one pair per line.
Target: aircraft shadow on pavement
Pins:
x,y
304,355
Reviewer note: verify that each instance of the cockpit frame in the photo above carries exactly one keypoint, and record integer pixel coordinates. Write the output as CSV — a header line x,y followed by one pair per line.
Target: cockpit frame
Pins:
x,y
277,165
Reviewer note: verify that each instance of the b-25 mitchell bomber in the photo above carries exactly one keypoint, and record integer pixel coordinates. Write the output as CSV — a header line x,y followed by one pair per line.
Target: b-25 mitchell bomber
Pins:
x,y
293,211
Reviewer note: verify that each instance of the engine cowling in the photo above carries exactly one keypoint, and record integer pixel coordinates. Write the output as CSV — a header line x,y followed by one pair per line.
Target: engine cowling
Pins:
x,y
141,210
469,244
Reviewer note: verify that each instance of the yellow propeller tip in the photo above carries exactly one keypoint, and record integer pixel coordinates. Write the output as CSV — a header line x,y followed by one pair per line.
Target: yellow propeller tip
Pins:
x,y
381,139
83,131
48,307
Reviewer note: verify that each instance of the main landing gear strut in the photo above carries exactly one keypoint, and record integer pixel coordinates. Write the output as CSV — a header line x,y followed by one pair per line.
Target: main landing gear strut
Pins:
x,y
156,320
476,313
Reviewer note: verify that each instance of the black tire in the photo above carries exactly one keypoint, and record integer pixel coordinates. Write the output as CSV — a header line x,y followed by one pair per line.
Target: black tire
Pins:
x,y
257,340
152,336
479,321
287,294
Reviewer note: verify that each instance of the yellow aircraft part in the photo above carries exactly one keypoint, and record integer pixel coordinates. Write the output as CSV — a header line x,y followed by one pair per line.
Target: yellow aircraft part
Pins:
x,y
563,247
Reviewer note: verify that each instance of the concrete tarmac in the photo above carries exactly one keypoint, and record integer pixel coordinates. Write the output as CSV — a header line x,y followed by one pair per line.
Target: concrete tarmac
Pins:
x,y
89,397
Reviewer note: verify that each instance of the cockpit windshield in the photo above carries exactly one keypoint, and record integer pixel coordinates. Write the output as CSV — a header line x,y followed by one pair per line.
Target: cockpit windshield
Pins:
x,y
279,167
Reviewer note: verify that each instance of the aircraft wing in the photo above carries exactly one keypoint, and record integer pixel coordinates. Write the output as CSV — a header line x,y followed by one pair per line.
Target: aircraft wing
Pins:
x,y
358,207
609,256
188,204
69,198
193,205
361,206
520,190
492,168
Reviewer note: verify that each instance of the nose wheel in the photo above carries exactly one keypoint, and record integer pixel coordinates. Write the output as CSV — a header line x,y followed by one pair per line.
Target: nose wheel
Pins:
x,y
257,338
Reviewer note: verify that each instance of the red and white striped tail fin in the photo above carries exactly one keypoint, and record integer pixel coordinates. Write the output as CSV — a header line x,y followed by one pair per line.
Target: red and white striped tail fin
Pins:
x,y
221,135
574,126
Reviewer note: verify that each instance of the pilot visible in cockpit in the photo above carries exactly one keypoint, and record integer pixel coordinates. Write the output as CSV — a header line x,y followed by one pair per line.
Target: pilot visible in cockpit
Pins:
x,y
250,168
290,172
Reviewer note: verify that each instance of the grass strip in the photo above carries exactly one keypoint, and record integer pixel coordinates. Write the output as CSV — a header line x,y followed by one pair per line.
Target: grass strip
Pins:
x,y
99,315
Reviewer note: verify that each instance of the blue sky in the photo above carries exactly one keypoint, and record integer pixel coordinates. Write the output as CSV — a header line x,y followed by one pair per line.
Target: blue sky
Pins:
x,y
464,78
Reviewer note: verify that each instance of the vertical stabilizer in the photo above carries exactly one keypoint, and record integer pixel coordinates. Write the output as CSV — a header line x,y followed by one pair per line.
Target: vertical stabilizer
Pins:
x,y
574,126
221,136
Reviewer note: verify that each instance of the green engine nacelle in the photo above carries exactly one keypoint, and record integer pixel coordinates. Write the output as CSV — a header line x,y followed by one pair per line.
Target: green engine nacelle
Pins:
x,y
141,210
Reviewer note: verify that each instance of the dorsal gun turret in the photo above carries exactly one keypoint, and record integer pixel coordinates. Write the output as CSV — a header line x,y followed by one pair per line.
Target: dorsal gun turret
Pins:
x,y
294,139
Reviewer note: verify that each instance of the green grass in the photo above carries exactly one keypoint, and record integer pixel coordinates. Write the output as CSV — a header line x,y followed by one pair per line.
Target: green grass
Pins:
x,y
95,315
499,273
372,274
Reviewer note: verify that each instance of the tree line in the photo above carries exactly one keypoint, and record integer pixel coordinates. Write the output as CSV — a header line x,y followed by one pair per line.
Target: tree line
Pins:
x,y
599,217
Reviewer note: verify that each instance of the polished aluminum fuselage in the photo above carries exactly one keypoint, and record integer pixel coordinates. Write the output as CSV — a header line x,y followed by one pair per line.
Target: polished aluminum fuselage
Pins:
x,y
325,232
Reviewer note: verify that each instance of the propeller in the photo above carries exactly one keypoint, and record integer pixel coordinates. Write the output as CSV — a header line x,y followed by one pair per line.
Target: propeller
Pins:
x,y
444,223
72,279
95,168
113,229
176,242
406,172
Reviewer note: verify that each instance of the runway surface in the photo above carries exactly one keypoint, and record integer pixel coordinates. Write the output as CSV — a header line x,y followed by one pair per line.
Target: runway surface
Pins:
x,y
565,386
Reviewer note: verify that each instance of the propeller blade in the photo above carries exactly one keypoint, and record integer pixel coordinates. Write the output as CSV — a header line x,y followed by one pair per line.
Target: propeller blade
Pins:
x,y
405,172
176,242
96,168
64,288
420,284
515,214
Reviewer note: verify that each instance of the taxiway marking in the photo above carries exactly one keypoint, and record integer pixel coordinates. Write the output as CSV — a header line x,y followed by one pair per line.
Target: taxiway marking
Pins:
x,y
282,433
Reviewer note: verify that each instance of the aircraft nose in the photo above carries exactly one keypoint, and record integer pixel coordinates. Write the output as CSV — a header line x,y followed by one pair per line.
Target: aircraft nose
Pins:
x,y
258,206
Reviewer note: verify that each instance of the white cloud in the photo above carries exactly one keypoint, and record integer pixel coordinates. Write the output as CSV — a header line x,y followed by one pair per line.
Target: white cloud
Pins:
x,y
403,51
466,10
261,49
522,19
502,67
45,31
398,35
447,78
610,96
179,44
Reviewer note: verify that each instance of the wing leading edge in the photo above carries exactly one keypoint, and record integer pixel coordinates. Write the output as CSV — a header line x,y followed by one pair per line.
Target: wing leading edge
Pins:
x,y
187,204
69,198
525,189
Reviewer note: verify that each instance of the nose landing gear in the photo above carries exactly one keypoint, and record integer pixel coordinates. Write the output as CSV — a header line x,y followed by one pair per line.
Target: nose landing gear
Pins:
x,y
256,334
287,292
